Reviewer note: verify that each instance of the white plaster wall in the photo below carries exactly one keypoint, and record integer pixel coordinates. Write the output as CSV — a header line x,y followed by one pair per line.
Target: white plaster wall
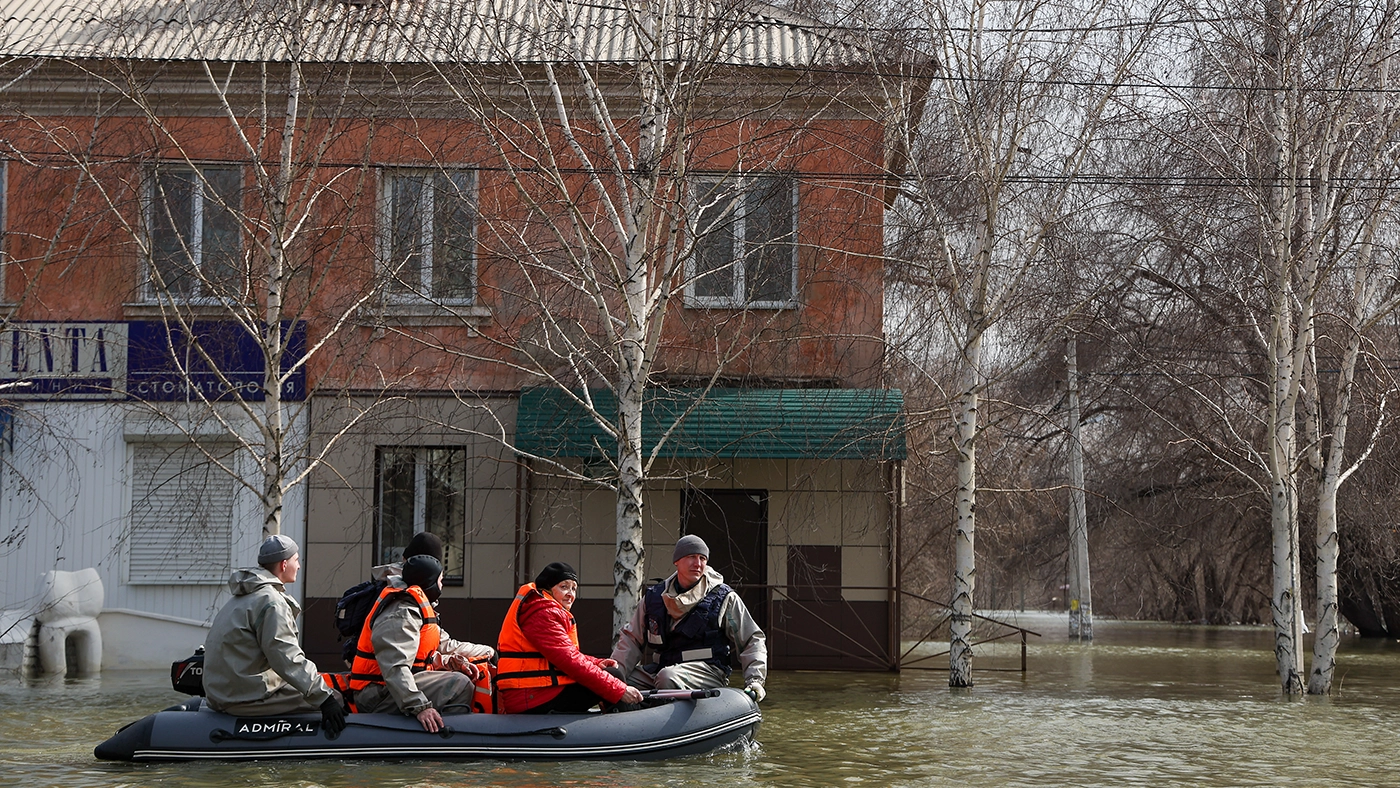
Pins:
x,y
136,640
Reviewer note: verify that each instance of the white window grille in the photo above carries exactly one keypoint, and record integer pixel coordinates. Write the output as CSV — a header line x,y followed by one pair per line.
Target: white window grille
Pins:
x,y
429,242
745,249
193,227
422,489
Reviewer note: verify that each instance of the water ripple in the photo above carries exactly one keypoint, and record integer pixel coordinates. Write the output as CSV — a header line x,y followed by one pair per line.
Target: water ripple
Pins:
x,y
1145,706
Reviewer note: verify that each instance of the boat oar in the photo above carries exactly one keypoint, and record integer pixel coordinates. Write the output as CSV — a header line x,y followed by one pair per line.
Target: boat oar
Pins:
x,y
680,694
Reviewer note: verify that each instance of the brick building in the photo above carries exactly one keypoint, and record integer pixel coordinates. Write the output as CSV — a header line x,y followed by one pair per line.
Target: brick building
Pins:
x,y
434,338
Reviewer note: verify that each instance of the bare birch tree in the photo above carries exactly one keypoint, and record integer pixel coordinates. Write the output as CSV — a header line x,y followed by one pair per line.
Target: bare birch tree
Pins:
x,y
1025,94
1370,298
644,156
1285,118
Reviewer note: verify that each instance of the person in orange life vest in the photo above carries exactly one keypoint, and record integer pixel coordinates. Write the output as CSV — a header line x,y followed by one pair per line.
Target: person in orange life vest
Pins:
x,y
692,625
404,661
422,543
540,668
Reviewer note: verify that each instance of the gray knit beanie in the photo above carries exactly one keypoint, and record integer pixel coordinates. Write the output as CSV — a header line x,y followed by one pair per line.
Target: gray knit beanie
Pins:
x,y
690,544
276,548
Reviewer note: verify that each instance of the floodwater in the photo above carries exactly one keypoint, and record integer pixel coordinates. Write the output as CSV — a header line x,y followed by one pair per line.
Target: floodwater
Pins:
x,y
1145,704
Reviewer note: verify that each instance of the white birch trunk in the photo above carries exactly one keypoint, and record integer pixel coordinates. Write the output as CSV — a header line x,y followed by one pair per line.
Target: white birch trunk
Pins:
x,y
1284,599
274,422
964,529
1328,629
1283,517
642,328
1286,335
629,564
1081,618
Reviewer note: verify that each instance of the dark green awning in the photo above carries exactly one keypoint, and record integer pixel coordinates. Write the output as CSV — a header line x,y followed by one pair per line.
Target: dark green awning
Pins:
x,y
830,424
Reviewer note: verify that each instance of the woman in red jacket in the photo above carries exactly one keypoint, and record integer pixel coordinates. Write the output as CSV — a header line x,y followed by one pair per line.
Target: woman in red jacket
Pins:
x,y
540,668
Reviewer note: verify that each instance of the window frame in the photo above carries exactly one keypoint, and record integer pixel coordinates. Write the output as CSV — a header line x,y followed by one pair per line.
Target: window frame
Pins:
x,y
152,202
423,292
736,299
420,505
4,231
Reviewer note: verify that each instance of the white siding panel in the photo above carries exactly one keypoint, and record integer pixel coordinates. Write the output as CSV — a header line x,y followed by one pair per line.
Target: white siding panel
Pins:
x,y
64,504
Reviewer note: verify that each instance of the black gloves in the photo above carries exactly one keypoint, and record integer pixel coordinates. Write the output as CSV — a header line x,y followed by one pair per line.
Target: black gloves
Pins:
x,y
332,717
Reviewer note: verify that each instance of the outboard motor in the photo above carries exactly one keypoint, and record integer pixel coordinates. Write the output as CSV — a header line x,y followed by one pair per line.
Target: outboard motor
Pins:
x,y
187,675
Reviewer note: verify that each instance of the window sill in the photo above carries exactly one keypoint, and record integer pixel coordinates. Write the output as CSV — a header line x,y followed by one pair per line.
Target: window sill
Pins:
x,y
718,303
425,314
157,309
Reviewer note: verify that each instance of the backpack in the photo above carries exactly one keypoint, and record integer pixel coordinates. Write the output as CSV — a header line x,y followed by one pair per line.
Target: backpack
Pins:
x,y
351,610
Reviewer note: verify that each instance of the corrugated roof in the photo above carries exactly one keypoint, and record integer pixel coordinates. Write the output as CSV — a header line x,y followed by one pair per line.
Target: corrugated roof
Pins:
x,y
407,31
834,424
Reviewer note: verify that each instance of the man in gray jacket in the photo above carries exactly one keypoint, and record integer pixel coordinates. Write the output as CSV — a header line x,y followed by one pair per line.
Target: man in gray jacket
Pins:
x,y
692,626
253,662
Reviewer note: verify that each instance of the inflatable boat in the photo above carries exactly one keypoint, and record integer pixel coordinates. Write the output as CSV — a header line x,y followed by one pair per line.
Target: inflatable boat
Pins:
x,y
694,723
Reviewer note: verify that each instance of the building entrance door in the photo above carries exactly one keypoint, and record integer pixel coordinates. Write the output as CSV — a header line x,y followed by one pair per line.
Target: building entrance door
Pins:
x,y
734,523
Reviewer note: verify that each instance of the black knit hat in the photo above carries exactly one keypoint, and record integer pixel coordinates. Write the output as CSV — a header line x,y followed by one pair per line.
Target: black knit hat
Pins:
x,y
554,574
422,571
424,543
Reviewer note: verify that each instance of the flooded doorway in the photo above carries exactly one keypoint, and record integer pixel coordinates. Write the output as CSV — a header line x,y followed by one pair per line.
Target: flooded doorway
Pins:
x,y
734,523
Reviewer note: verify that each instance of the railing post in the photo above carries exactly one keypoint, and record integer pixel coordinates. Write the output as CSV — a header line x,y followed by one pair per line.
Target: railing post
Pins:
x,y
1023,652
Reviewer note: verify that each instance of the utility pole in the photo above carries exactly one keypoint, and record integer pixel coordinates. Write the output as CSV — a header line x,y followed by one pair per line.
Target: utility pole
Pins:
x,y
1081,619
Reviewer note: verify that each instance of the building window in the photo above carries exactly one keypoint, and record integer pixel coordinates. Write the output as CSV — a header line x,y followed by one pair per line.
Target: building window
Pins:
x,y
192,222
430,239
745,251
182,500
422,489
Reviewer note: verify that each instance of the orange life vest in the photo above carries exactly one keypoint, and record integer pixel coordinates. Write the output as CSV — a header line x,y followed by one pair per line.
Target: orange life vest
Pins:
x,y
364,671
484,702
339,682
520,665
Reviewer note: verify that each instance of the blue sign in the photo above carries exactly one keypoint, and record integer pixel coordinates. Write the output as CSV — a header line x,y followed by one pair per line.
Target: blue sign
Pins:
x,y
215,360
63,360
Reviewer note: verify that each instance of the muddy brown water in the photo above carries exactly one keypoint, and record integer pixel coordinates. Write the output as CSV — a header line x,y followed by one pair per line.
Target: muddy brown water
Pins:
x,y
1146,704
